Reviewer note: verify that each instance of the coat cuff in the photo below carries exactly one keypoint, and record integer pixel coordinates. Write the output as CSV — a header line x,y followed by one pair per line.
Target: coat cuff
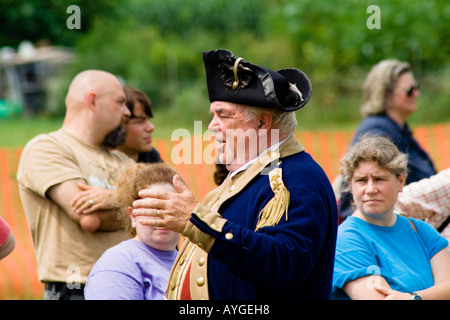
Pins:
x,y
204,227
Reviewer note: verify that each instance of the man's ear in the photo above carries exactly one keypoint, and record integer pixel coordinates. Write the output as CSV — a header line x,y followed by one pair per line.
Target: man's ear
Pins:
x,y
265,121
90,100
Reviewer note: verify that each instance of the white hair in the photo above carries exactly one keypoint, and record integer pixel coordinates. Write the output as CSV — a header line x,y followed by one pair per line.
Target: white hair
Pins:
x,y
286,122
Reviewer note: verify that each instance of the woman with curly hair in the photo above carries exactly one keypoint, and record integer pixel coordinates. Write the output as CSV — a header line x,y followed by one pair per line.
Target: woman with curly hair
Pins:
x,y
390,94
138,268
379,253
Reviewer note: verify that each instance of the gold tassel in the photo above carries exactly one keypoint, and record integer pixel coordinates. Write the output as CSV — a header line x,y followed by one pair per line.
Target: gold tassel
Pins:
x,y
278,205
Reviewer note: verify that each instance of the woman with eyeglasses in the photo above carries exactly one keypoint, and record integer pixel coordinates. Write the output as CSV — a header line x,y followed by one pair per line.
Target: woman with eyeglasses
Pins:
x,y
389,97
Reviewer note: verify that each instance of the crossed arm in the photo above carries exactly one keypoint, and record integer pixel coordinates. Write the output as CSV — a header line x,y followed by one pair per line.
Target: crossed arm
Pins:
x,y
376,288
73,198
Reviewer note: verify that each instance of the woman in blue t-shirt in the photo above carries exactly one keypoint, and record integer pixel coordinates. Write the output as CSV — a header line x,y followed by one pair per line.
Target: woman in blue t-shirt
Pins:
x,y
379,254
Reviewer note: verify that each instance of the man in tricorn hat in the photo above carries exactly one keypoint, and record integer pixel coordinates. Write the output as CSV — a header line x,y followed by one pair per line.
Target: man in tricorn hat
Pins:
x,y
269,230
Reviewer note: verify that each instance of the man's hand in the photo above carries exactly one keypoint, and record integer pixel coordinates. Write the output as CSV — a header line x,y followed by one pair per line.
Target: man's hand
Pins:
x,y
92,199
172,209
63,195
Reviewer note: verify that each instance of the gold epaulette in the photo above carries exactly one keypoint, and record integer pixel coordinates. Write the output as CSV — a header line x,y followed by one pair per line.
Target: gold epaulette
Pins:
x,y
278,205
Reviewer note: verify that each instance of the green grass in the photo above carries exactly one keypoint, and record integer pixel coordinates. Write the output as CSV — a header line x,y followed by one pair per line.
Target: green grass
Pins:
x,y
16,131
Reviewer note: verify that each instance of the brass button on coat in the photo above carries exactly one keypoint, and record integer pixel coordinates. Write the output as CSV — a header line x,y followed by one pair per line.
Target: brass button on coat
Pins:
x,y
200,281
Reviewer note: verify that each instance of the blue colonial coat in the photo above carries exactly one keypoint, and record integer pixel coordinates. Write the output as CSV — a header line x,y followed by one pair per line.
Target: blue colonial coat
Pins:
x,y
223,257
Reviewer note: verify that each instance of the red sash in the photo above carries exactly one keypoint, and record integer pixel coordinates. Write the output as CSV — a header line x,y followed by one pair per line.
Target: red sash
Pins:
x,y
185,292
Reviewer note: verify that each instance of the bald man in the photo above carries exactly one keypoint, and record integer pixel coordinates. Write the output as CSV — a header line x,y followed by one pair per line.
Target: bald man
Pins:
x,y
52,166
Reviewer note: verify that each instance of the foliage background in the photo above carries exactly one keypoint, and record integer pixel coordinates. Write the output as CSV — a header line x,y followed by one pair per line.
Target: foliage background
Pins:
x,y
156,46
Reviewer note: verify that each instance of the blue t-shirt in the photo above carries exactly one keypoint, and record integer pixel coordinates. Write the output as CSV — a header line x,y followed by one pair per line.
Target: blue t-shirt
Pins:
x,y
131,270
398,253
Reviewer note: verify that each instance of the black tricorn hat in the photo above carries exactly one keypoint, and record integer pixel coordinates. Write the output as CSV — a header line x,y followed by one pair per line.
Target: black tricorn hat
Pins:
x,y
235,80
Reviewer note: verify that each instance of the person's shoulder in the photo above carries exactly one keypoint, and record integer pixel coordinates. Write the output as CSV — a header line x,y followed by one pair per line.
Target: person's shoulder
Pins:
x,y
118,258
41,138
378,125
349,223
374,122
150,156
121,155
44,143
421,226
302,167
430,237
122,249
352,227
351,233
301,161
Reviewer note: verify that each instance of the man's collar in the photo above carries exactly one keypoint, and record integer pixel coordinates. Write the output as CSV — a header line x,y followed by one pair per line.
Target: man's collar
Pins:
x,y
248,164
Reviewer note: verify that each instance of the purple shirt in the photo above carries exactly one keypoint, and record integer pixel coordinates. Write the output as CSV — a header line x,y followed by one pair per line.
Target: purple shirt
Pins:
x,y
131,270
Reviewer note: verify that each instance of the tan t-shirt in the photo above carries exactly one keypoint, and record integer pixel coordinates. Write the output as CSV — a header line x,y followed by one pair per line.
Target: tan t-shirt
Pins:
x,y
64,251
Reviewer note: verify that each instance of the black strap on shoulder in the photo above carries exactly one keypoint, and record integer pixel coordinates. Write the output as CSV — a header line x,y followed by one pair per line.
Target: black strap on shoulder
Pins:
x,y
444,224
